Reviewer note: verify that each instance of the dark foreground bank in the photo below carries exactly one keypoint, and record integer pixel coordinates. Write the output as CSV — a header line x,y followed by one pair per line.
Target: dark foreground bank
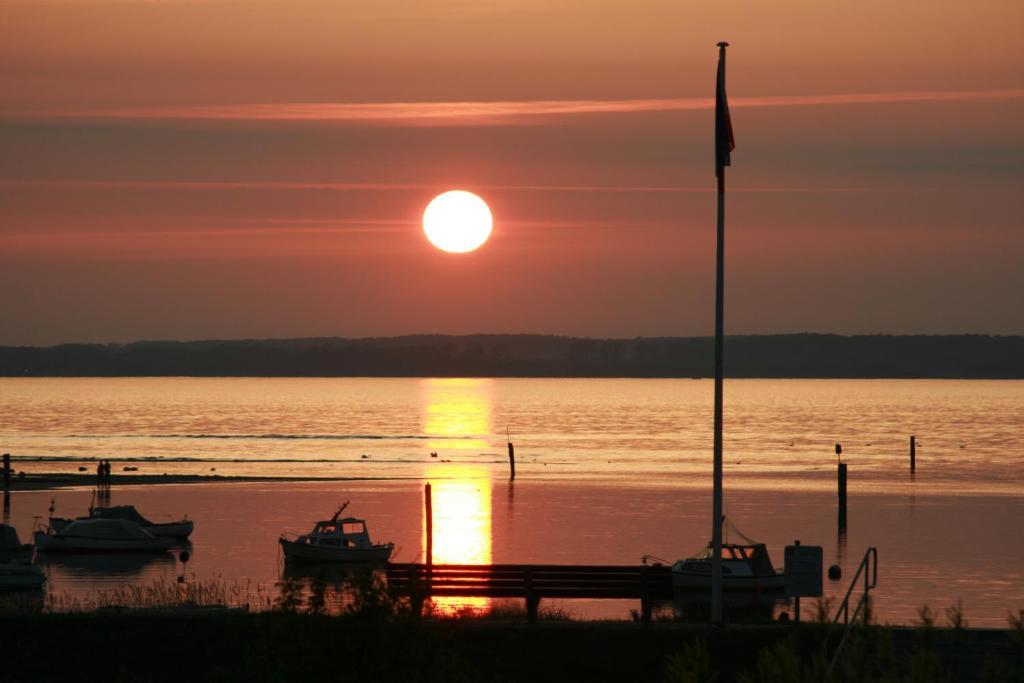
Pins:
x,y
292,647
523,355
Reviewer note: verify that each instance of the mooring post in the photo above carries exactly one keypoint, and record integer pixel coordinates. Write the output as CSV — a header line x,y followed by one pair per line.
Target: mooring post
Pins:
x,y
796,600
842,496
913,452
512,461
7,470
428,507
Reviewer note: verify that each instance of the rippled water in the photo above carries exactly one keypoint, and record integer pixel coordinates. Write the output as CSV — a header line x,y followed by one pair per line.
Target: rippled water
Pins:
x,y
636,432
607,470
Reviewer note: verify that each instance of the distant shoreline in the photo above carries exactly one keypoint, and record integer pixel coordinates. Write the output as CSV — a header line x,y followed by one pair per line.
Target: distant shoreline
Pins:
x,y
783,356
51,481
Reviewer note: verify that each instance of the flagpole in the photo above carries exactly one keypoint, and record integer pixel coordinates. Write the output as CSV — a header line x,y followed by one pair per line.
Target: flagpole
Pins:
x,y
716,503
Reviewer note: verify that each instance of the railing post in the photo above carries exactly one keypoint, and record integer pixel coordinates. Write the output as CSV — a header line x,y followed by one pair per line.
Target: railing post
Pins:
x,y
532,601
417,591
646,605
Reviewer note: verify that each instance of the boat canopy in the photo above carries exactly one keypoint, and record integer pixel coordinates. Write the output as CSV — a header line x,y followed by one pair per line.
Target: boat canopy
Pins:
x,y
9,537
105,529
346,532
121,512
755,554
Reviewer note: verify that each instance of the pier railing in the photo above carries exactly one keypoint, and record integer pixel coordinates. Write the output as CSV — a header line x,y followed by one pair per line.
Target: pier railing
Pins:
x,y
868,571
533,582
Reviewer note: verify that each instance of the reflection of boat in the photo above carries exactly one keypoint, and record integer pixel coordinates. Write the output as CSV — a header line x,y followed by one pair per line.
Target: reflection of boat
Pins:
x,y
746,568
20,575
179,529
107,565
11,547
336,540
330,573
100,535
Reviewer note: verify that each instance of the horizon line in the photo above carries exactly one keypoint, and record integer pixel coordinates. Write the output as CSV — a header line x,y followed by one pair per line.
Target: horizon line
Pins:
x,y
213,340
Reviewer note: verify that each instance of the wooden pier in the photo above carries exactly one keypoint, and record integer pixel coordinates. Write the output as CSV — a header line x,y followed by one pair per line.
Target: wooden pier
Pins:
x,y
533,582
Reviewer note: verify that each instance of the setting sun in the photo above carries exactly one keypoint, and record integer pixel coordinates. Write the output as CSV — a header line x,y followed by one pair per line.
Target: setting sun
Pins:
x,y
457,221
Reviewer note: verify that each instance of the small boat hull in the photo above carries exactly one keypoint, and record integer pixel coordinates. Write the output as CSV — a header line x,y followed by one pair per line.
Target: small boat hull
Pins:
x,y
695,582
18,554
83,544
18,576
178,530
306,552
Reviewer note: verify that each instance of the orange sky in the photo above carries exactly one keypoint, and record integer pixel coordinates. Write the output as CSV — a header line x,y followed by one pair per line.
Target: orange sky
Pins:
x,y
258,168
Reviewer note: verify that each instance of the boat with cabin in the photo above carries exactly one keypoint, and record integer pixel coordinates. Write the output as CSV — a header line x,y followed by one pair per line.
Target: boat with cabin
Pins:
x,y
339,539
746,568
180,529
101,535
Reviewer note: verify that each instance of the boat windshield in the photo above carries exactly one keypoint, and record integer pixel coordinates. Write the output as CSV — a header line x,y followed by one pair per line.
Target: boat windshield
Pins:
x,y
353,528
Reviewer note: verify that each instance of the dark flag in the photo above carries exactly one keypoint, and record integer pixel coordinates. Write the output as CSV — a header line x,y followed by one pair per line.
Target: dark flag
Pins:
x,y
724,142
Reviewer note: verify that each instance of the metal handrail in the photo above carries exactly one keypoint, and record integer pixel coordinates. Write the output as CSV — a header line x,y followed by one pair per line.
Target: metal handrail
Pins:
x,y
869,568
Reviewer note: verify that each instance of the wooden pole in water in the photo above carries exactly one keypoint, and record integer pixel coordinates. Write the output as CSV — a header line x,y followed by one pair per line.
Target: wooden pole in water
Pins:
x,y
842,488
913,452
429,509
842,496
512,461
7,470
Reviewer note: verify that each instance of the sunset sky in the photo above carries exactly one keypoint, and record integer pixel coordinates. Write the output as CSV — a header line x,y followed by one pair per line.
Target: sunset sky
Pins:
x,y
186,169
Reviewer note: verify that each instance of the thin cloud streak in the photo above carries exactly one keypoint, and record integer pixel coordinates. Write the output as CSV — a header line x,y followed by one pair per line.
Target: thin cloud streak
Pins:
x,y
304,186
503,112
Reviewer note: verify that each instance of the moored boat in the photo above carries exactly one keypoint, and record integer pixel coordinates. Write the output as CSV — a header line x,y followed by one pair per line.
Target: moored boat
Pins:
x,y
11,547
336,540
746,568
100,535
180,529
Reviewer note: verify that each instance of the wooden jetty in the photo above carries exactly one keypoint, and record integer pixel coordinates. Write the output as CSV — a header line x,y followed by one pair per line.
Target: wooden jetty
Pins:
x,y
533,582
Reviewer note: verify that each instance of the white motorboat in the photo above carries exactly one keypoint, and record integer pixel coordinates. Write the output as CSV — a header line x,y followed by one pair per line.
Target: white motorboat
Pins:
x,y
180,529
336,540
746,568
100,535
11,547
20,575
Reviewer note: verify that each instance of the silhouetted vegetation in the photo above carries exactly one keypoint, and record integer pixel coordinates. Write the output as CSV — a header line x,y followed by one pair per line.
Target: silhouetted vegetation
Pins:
x,y
787,355
374,635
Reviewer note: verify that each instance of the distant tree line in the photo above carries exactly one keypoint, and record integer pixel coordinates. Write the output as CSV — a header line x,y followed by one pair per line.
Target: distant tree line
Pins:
x,y
784,355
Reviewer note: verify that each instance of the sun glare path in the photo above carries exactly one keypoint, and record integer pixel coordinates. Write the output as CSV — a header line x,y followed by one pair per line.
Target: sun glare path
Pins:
x,y
457,413
461,497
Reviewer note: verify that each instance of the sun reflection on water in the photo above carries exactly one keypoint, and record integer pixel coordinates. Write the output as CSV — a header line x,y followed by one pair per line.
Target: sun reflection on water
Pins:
x,y
457,411
462,526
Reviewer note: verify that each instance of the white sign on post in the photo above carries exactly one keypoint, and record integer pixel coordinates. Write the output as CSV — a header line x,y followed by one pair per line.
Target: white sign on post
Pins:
x,y
803,571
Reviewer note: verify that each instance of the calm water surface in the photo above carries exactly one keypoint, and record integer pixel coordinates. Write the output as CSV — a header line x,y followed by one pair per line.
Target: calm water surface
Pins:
x,y
608,470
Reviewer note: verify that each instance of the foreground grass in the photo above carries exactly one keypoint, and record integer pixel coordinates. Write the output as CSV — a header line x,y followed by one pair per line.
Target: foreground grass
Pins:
x,y
283,646
358,630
